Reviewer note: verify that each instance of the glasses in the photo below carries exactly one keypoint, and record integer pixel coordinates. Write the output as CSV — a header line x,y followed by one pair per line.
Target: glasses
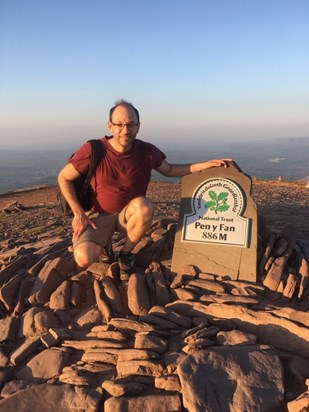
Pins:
x,y
121,126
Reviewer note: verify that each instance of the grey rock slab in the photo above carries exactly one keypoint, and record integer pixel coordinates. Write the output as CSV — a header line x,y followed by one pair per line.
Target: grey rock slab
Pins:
x,y
267,248
45,365
273,277
206,276
24,291
200,328
180,320
48,398
112,296
82,278
280,247
146,403
187,271
172,360
206,332
15,386
86,345
177,282
270,329
138,295
304,274
4,359
168,383
27,349
101,328
162,292
27,327
87,376
139,367
290,285
102,302
76,294
50,277
9,291
231,380
59,299
34,270
59,333
4,376
159,322
12,268
298,316
101,357
49,340
198,345
228,298
135,354
112,334
88,317
123,354
146,340
98,268
235,337
142,244
207,286
131,325
245,288
9,328
44,320
122,387
184,294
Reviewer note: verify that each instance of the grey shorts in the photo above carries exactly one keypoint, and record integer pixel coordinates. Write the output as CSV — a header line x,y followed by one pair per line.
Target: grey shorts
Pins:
x,y
107,224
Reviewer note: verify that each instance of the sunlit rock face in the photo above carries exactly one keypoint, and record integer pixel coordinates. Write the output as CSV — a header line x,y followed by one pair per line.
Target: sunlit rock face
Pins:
x,y
84,340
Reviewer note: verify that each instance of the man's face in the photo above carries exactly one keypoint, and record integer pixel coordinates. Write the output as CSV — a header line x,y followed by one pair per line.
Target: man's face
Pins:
x,y
124,128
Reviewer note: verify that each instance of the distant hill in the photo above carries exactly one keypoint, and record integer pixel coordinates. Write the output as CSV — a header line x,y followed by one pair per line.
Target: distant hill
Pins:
x,y
304,180
263,159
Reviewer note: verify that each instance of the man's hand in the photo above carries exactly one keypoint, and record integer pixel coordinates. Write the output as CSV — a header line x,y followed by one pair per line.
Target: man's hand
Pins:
x,y
195,167
80,221
79,224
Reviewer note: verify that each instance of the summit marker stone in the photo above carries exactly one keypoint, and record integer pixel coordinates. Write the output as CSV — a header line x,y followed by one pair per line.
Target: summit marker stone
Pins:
x,y
217,228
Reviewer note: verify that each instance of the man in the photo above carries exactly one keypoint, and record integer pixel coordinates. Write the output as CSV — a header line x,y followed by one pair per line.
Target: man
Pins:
x,y
118,189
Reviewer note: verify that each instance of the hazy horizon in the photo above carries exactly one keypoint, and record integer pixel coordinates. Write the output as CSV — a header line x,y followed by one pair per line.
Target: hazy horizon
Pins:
x,y
209,142
20,168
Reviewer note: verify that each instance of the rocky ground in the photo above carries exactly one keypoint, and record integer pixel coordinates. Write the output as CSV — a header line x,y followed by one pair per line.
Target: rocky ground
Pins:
x,y
192,342
279,202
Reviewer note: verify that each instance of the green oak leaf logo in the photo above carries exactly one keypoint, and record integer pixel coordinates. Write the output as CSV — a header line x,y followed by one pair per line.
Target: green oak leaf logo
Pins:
x,y
218,203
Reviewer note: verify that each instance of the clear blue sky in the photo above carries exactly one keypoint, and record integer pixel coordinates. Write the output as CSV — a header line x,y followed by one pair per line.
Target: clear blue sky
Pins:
x,y
197,70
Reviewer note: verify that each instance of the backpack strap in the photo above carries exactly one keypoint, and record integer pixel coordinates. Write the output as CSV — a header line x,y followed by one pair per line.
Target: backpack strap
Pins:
x,y
95,157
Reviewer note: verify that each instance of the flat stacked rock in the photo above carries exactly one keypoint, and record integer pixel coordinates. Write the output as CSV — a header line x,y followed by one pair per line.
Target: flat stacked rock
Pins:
x,y
84,340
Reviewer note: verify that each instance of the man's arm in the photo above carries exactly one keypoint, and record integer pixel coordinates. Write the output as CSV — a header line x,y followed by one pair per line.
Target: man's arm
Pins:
x,y
65,179
179,170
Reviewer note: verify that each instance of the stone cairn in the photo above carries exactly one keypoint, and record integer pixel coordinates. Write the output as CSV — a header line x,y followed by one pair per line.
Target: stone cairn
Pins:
x,y
189,341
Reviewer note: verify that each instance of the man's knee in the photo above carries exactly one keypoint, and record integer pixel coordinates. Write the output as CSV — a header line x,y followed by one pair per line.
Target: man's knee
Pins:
x,y
85,255
82,260
142,206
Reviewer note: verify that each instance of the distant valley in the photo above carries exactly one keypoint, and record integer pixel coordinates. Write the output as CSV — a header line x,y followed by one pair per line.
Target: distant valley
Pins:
x,y
265,160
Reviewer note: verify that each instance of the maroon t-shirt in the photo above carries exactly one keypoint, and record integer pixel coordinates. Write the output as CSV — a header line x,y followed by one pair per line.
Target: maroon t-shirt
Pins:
x,y
119,177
